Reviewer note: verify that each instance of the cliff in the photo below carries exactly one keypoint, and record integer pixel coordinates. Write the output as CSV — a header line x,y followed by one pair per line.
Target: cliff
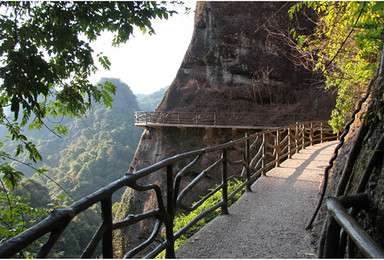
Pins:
x,y
362,150
236,62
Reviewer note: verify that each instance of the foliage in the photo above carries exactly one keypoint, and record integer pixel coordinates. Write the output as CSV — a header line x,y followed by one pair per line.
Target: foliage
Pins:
x,y
16,215
45,62
37,193
346,47
151,101
183,219
96,151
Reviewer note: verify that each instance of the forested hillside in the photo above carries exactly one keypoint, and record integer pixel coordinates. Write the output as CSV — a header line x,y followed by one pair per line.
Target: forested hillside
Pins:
x,y
96,151
151,101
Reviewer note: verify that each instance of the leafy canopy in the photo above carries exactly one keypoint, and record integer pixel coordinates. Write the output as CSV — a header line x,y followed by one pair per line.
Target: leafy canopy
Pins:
x,y
46,59
346,47
45,62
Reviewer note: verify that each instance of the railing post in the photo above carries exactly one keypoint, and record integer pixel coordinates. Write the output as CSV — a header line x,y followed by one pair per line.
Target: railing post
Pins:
x,y
289,143
224,208
311,134
303,137
263,163
196,119
214,119
277,144
106,213
178,119
322,132
170,251
247,159
297,137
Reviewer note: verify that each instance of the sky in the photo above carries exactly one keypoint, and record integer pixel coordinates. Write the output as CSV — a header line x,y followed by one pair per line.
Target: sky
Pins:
x,y
146,62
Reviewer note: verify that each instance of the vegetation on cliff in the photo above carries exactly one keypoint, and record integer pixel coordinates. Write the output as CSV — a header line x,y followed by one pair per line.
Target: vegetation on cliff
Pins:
x,y
345,47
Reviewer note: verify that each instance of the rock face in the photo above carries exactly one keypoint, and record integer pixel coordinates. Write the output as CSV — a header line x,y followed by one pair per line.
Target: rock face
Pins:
x,y
350,174
238,62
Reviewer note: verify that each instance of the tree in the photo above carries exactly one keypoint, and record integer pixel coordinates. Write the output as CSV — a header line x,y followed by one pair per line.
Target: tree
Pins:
x,y
345,47
45,63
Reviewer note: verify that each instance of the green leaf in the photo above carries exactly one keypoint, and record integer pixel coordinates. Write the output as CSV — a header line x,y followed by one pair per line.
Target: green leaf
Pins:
x,y
378,6
62,196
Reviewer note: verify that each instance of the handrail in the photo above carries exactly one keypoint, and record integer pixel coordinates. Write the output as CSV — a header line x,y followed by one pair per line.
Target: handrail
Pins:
x,y
249,155
336,207
196,119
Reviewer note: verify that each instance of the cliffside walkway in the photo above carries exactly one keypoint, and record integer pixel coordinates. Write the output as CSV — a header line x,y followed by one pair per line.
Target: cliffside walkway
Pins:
x,y
288,191
217,120
270,221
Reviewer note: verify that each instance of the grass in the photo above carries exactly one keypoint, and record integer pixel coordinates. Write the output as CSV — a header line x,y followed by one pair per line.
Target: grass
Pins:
x,y
183,219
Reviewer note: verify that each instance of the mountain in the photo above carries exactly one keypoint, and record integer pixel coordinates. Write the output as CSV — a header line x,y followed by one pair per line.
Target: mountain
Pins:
x,y
96,150
151,101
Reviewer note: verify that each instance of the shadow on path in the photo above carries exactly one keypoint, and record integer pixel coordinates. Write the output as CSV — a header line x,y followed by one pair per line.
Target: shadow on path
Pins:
x,y
270,221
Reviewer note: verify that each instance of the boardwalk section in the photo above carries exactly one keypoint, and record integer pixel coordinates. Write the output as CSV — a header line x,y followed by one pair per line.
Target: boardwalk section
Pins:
x,y
217,120
270,221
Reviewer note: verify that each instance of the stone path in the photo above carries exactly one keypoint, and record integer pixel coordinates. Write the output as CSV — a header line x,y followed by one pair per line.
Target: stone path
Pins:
x,y
270,221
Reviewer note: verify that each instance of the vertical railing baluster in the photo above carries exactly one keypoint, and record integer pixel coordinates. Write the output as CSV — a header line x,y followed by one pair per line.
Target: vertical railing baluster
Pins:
x,y
297,138
106,213
289,143
214,119
303,137
224,208
263,163
248,159
322,132
311,134
277,144
170,251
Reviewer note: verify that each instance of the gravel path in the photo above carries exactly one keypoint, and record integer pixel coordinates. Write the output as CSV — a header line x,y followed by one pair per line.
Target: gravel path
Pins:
x,y
270,221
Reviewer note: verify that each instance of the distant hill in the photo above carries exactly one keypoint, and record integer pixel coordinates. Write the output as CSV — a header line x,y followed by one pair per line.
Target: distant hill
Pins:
x,y
151,101
96,151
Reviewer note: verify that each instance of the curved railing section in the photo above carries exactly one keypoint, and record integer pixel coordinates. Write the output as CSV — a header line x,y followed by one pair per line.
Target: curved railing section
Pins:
x,y
252,155
238,120
337,208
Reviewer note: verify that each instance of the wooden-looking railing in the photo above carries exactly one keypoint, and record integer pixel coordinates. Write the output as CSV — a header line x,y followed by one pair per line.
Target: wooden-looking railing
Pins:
x,y
250,120
335,247
252,155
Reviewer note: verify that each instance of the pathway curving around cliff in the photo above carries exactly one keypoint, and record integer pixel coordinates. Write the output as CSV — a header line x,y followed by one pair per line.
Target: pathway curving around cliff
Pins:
x,y
270,221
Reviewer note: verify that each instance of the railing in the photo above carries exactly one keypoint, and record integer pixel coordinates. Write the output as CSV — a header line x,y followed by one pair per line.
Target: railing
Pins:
x,y
217,119
252,155
337,210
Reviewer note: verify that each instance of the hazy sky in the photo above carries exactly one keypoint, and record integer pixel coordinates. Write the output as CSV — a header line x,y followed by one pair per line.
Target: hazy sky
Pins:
x,y
147,63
